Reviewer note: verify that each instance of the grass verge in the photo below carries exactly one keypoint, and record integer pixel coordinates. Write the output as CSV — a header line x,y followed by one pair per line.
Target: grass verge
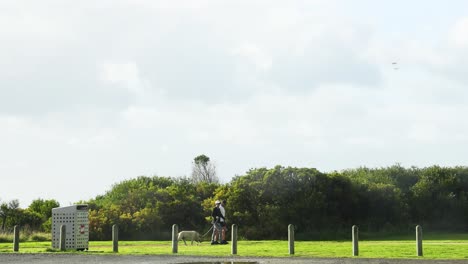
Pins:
x,y
433,249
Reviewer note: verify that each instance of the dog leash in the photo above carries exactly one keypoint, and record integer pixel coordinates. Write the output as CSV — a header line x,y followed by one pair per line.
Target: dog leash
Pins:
x,y
208,231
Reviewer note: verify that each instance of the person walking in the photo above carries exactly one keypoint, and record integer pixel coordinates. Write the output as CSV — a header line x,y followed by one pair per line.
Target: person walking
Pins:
x,y
223,222
217,227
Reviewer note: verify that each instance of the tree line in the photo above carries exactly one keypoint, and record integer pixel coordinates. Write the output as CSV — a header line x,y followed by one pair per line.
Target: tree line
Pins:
x,y
263,201
37,217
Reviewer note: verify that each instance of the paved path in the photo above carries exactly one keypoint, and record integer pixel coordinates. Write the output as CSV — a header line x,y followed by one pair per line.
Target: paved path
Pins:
x,y
171,259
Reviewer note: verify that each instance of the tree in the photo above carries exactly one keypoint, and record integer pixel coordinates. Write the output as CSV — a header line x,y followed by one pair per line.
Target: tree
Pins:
x,y
8,209
203,170
436,198
3,214
43,207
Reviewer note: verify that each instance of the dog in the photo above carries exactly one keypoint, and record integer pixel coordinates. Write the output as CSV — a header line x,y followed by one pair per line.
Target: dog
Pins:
x,y
192,235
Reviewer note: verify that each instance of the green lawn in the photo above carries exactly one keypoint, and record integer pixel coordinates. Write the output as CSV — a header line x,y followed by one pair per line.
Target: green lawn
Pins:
x,y
433,249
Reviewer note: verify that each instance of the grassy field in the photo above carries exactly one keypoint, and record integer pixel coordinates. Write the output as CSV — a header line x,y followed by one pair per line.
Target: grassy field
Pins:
x,y
436,248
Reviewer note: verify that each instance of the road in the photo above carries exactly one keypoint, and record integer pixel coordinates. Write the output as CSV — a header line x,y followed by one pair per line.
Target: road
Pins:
x,y
171,259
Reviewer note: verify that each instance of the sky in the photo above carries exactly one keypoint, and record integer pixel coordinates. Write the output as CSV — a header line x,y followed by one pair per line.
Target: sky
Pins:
x,y
93,93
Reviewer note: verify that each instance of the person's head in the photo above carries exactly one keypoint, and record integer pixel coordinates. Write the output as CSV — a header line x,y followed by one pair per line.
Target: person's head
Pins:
x,y
223,203
217,203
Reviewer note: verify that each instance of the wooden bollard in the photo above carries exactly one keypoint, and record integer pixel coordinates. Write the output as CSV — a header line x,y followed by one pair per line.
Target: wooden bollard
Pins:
x,y
16,238
355,235
175,231
419,245
115,238
291,239
234,239
63,236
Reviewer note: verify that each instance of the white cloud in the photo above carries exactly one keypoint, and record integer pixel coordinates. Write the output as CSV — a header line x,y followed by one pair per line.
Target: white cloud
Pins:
x,y
459,33
120,72
126,74
255,55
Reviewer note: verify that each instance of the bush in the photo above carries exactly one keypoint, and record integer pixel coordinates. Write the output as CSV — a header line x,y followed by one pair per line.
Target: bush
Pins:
x,y
25,236
41,237
6,237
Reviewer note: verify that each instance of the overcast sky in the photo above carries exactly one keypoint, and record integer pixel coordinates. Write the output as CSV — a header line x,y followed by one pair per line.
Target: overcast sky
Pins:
x,y
96,92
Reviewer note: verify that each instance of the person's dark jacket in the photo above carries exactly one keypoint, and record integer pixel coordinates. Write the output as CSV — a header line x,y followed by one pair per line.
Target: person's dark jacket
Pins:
x,y
216,214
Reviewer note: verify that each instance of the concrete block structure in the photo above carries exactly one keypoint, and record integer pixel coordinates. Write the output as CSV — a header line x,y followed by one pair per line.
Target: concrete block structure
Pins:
x,y
75,219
